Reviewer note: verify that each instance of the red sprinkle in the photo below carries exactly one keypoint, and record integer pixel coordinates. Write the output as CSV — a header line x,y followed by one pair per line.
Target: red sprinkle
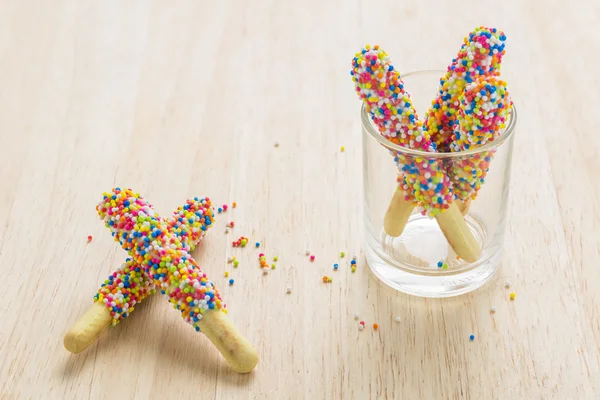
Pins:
x,y
89,238
362,323
231,224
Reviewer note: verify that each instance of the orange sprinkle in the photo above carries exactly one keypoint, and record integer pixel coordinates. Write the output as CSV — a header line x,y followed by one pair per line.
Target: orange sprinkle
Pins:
x,y
375,326
234,205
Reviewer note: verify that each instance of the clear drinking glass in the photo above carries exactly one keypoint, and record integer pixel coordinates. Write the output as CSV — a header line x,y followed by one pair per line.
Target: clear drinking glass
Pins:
x,y
410,262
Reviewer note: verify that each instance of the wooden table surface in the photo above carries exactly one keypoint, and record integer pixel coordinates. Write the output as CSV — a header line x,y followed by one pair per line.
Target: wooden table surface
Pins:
x,y
185,98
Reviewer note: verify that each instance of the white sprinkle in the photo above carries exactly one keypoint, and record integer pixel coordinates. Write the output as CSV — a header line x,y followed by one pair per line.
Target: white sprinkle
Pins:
x,y
229,259
226,230
356,317
265,271
276,144
493,309
361,327
397,318
507,284
307,252
288,290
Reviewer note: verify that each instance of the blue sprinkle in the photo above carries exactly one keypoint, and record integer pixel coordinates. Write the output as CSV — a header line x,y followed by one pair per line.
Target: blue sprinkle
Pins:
x,y
353,262
439,264
257,244
231,281
335,266
472,337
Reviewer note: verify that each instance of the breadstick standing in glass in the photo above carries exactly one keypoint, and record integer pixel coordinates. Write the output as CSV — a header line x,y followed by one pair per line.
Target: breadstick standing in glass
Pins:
x,y
380,87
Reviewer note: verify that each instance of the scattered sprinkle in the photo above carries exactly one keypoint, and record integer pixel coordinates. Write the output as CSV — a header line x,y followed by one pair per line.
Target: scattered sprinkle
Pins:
x,y
342,254
288,290
327,279
362,323
398,318
226,274
257,244
226,230
507,284
263,261
472,337
342,149
265,271
353,262
492,309
231,224
356,317
219,210
361,327
440,263
445,266
273,266
276,144
513,295
230,259
354,258
234,205
225,207
231,281
312,258
375,326
236,263
307,252
89,238
335,267
353,269
275,258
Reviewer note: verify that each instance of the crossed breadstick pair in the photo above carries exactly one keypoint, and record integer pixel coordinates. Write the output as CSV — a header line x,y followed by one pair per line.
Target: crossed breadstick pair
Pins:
x,y
159,259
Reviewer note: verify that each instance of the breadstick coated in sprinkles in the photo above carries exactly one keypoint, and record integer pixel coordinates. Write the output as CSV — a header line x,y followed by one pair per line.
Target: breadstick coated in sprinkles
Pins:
x,y
379,86
480,55
161,253
484,108
129,284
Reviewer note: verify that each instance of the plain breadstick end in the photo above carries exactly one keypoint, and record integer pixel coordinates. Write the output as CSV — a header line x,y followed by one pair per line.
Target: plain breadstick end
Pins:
x,y
235,348
88,328
397,214
463,206
458,234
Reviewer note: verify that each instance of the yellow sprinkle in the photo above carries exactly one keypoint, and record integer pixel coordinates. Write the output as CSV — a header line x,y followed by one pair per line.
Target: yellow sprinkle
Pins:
x,y
513,296
275,258
342,149
226,274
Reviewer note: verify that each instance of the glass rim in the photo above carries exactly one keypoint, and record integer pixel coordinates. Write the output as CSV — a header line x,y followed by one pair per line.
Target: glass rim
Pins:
x,y
506,134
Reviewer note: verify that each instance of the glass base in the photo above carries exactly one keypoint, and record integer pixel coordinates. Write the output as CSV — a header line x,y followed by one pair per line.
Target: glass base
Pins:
x,y
410,263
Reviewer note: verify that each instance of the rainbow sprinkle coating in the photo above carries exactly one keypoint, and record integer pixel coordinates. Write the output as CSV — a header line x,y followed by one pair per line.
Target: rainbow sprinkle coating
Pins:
x,y
160,252
380,87
129,285
484,108
480,55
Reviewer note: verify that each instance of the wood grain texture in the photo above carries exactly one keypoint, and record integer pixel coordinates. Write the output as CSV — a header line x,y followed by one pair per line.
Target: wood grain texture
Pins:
x,y
186,98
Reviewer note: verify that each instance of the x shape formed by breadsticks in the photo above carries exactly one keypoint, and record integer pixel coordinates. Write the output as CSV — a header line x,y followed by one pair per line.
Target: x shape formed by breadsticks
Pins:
x,y
159,257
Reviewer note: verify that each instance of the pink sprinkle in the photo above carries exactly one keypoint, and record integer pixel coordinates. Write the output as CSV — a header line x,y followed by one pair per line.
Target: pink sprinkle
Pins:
x,y
312,258
224,207
261,255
